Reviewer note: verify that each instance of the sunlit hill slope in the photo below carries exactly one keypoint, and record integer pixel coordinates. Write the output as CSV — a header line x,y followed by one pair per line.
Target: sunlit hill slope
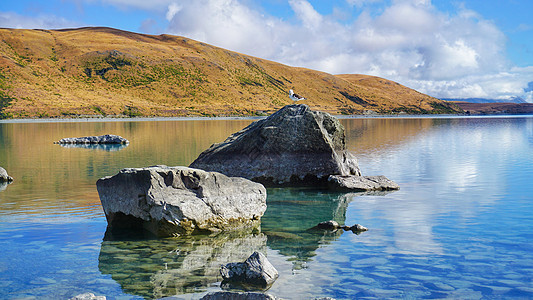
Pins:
x,y
109,72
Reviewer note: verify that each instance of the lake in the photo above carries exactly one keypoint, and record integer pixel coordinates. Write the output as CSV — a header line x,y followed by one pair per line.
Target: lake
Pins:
x,y
460,227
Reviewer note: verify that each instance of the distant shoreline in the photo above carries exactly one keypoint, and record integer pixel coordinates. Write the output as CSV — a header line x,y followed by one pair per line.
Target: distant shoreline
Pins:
x,y
162,119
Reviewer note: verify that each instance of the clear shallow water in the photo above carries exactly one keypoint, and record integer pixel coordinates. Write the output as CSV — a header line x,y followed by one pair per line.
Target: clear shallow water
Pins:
x,y
460,227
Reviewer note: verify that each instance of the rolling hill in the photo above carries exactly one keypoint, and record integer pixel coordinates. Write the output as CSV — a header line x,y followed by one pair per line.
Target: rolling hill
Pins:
x,y
101,71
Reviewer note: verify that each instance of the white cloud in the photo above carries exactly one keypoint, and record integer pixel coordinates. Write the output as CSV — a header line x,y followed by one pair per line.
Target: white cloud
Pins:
x,y
13,20
228,24
173,9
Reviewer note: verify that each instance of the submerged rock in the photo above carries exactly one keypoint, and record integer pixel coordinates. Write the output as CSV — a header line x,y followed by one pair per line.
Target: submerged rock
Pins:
x,y
294,146
238,296
358,228
102,139
328,225
88,296
170,201
361,183
333,226
256,270
4,177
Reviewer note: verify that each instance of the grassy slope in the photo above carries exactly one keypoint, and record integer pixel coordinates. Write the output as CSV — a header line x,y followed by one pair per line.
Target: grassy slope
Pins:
x,y
104,71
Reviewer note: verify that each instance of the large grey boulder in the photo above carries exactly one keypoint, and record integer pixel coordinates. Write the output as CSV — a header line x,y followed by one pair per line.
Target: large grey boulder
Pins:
x,y
102,139
294,146
256,270
170,201
4,177
361,183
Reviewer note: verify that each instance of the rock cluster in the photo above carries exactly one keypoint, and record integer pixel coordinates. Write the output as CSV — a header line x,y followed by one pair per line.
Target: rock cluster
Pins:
x,y
4,177
256,270
170,201
102,139
333,225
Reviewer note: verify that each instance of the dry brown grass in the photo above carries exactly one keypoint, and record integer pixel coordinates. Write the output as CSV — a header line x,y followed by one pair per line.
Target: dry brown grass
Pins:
x,y
104,71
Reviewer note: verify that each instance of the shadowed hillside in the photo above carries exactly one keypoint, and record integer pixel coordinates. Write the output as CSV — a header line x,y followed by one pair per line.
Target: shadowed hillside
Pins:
x,y
109,72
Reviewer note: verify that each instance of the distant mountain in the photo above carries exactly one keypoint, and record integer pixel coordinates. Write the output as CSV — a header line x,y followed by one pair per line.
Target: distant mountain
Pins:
x,y
495,108
109,72
484,100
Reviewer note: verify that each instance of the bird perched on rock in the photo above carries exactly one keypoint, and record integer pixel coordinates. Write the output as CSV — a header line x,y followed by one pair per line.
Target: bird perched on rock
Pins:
x,y
295,97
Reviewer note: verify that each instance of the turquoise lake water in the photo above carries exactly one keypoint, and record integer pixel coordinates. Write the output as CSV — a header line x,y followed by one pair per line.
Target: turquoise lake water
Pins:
x,y
461,227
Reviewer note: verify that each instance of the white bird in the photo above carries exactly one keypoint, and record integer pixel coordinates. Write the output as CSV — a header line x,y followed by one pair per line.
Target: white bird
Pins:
x,y
295,97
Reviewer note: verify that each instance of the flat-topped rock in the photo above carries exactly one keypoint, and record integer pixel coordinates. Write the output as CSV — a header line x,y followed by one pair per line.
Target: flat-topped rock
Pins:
x,y
4,177
171,201
361,183
102,139
294,146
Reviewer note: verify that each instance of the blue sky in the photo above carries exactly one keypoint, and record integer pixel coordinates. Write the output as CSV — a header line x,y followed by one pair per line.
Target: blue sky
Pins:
x,y
446,48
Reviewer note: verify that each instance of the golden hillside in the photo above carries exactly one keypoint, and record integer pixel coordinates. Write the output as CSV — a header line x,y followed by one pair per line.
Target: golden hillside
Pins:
x,y
109,72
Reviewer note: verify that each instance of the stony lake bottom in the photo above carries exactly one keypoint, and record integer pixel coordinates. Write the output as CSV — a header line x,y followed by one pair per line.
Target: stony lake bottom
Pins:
x,y
461,227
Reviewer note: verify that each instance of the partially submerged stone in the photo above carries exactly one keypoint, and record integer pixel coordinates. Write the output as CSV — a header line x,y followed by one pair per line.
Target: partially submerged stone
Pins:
x,y
238,296
88,296
4,177
361,183
102,139
170,201
358,228
294,146
328,225
256,270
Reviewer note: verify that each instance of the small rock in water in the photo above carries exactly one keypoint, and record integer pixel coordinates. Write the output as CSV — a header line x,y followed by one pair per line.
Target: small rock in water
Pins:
x,y
354,183
358,228
88,296
102,139
4,177
328,225
256,270
238,296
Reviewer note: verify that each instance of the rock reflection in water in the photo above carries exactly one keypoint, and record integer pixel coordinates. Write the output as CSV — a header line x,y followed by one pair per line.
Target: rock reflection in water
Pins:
x,y
105,147
3,185
164,267
292,212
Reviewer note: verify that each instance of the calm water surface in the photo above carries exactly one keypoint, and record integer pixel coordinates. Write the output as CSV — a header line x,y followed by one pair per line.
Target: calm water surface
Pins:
x,y
460,227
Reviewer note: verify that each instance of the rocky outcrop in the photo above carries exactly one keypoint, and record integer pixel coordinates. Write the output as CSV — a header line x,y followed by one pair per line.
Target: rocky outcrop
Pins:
x,y
4,177
361,183
171,201
102,139
256,270
294,146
